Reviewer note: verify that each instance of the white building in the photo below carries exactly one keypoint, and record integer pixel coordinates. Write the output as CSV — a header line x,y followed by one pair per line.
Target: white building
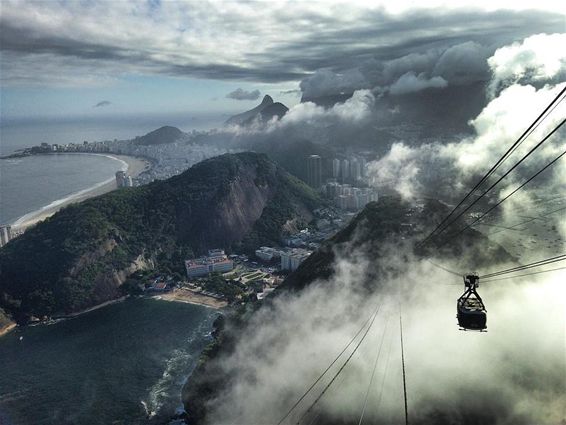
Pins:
x,y
266,253
5,234
216,261
292,259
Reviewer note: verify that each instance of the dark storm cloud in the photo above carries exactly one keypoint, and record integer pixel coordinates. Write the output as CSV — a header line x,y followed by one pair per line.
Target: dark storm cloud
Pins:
x,y
241,94
248,45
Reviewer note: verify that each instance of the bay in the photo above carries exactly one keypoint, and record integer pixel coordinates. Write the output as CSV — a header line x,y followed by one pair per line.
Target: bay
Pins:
x,y
97,368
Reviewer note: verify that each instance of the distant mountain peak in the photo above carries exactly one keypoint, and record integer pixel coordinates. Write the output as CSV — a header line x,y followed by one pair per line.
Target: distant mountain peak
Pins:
x,y
265,111
267,100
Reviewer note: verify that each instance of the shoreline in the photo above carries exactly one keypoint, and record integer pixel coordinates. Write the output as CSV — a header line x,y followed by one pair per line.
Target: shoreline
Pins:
x,y
189,297
133,165
7,329
89,309
180,296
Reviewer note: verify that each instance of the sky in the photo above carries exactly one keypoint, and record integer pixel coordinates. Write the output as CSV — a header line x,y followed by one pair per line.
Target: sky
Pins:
x,y
102,58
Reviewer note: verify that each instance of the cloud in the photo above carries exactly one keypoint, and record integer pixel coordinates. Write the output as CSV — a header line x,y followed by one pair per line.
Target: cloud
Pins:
x,y
410,82
506,376
102,104
240,94
436,67
325,82
463,63
540,58
235,40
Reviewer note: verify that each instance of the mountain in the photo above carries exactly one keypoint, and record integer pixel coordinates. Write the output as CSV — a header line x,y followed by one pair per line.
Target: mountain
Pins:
x,y
80,256
389,222
265,111
161,136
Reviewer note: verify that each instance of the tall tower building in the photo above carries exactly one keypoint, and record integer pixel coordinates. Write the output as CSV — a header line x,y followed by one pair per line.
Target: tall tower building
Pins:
x,y
355,169
314,171
345,170
121,179
335,168
5,235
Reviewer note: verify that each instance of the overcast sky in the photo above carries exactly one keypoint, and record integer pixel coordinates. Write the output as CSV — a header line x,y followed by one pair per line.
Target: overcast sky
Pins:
x,y
67,58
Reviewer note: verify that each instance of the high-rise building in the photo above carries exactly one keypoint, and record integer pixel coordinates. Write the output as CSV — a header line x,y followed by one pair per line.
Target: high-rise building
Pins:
x,y
335,168
121,179
5,234
363,164
314,171
355,169
344,170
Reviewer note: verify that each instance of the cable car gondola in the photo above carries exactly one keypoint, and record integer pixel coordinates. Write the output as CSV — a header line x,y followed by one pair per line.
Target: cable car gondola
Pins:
x,y
471,312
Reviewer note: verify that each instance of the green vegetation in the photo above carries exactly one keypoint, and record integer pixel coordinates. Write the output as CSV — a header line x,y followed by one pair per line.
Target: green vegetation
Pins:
x,y
218,285
71,260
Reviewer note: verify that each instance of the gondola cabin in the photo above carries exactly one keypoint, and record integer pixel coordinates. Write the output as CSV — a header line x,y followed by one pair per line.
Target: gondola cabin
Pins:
x,y
471,312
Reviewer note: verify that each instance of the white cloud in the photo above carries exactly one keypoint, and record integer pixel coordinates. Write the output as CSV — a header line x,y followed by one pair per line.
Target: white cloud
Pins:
x,y
510,371
540,57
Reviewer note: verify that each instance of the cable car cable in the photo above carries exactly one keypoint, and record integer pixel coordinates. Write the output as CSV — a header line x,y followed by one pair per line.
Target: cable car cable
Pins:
x,y
551,260
526,266
341,368
450,237
373,373
403,365
506,174
328,368
385,370
523,275
444,268
498,163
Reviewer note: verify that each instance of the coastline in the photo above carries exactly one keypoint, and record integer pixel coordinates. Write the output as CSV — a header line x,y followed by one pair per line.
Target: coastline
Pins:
x,y
7,329
89,309
190,297
133,165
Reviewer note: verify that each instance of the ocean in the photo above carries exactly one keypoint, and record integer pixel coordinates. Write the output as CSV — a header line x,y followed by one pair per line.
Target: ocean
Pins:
x,y
32,183
99,367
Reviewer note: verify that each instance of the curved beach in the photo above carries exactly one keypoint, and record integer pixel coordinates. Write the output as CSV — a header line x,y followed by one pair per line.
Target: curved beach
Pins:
x,y
132,165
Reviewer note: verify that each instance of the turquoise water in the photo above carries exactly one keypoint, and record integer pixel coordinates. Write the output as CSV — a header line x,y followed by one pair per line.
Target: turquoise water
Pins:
x,y
99,367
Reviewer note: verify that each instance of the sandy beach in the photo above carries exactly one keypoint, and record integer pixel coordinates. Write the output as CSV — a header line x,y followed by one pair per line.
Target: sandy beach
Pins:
x,y
191,297
7,329
133,166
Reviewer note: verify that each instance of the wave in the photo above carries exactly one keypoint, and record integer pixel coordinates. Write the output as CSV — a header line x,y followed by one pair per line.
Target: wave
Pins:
x,y
74,195
178,367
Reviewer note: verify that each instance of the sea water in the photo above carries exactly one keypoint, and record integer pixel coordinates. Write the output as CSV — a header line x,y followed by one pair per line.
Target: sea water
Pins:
x,y
104,366
31,183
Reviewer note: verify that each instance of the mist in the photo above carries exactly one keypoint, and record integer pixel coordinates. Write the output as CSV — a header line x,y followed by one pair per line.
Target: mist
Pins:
x,y
513,374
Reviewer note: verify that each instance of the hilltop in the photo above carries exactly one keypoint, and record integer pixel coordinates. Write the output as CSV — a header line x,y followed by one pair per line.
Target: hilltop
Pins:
x,y
80,256
265,111
161,136
389,221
